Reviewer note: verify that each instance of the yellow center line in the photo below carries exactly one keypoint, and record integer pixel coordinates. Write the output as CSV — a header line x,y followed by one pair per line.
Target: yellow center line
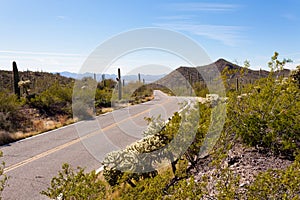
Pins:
x,y
41,155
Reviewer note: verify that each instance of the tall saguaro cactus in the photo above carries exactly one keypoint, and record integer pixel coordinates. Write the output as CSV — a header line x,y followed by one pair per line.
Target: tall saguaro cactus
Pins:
x,y
119,83
103,79
16,79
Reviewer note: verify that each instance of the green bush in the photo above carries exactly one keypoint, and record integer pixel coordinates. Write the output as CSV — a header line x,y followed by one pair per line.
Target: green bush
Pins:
x,y
186,189
3,177
57,99
8,102
147,189
200,90
103,97
268,117
296,75
71,185
9,105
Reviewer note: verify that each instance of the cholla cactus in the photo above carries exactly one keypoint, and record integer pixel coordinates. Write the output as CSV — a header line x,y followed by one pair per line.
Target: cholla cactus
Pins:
x,y
140,157
25,85
130,158
155,125
133,159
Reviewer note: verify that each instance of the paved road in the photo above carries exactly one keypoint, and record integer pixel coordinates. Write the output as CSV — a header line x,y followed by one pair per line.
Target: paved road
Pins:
x,y
31,163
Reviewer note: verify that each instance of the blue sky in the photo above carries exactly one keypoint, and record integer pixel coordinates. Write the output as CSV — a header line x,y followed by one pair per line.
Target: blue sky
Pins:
x,y
58,35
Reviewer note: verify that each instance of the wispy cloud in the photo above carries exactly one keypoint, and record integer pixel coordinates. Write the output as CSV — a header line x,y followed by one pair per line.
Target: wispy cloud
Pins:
x,y
41,53
53,62
187,20
229,35
201,6
176,17
61,17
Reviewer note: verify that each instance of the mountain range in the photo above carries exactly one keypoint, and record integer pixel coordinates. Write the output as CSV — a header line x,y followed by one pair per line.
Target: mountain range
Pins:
x,y
127,78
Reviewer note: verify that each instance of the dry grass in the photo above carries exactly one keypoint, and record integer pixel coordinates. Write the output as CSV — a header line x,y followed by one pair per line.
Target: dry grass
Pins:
x,y
39,126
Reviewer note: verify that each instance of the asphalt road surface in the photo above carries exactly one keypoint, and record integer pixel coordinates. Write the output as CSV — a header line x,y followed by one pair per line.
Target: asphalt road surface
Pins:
x,y
32,162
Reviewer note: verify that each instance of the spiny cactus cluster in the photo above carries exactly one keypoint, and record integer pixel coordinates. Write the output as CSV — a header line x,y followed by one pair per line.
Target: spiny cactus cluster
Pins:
x,y
25,85
134,156
134,162
143,156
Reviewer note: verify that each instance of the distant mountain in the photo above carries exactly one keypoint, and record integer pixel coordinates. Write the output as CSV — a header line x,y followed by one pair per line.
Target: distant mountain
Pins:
x,y
127,78
186,76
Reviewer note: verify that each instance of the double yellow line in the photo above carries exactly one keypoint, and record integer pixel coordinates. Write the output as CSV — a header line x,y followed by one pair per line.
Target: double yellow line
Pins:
x,y
58,148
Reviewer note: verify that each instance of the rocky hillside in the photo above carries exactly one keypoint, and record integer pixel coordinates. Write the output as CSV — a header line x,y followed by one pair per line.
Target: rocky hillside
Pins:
x,y
39,80
188,76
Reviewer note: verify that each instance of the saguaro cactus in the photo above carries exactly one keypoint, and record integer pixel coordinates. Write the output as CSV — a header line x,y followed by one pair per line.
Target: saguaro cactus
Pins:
x,y
103,80
119,83
16,79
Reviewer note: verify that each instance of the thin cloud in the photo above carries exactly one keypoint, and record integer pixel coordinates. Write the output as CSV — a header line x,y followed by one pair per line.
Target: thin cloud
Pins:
x,y
54,62
50,63
229,35
176,17
61,17
41,53
201,6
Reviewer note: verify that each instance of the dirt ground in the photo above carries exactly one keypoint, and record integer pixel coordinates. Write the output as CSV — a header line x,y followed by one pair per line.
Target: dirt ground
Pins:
x,y
247,162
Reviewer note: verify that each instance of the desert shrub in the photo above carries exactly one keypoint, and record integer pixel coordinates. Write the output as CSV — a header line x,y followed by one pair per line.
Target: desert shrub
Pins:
x,y
3,177
106,84
142,91
186,189
147,189
76,184
296,76
103,97
57,99
83,106
8,102
268,117
267,114
200,89
9,105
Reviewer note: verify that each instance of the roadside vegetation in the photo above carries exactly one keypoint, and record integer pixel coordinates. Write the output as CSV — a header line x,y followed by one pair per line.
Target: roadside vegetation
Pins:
x,y
3,177
261,129
35,102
